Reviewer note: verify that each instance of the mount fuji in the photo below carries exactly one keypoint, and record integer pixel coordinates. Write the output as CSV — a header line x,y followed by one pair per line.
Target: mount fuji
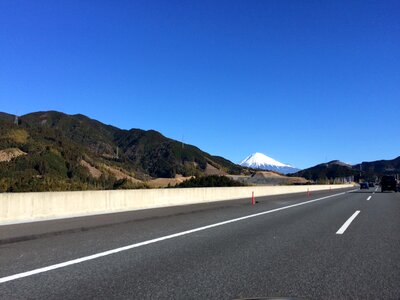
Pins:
x,y
263,162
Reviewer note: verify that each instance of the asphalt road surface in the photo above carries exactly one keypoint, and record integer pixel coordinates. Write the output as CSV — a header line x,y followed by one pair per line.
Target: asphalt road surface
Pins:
x,y
330,245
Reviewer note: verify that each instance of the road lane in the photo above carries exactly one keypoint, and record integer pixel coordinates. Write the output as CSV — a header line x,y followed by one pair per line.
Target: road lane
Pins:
x,y
49,250
293,252
163,238
372,258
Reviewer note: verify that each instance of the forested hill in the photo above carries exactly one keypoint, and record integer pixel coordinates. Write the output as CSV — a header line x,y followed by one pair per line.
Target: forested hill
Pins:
x,y
55,151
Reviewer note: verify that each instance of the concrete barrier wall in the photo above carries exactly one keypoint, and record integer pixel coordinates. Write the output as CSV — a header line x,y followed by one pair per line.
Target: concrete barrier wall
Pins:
x,y
25,207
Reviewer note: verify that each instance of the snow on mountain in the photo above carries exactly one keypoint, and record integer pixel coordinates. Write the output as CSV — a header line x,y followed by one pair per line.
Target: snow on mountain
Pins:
x,y
263,162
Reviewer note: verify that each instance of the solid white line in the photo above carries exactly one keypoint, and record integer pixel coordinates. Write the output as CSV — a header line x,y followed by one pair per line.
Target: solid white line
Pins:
x,y
347,223
125,248
369,198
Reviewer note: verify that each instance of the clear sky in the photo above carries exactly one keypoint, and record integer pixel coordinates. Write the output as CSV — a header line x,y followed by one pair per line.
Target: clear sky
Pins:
x,y
301,81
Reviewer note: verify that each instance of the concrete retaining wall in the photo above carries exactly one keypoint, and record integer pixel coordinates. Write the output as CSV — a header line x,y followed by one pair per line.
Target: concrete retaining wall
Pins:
x,y
25,207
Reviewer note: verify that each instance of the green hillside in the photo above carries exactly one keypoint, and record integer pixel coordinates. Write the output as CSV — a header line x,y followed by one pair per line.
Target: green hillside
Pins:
x,y
55,151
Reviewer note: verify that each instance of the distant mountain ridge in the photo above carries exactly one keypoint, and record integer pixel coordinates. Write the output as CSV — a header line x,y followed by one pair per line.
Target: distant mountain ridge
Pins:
x,y
54,151
379,167
76,152
325,171
365,171
262,162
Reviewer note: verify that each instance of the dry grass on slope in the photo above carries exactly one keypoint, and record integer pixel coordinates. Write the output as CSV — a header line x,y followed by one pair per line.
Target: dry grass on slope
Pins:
x,y
118,174
10,153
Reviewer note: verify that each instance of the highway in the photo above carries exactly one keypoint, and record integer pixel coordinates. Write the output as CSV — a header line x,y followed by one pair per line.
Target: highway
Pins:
x,y
342,244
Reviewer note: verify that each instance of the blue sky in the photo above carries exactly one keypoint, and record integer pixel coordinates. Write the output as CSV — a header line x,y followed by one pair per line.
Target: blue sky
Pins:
x,y
301,81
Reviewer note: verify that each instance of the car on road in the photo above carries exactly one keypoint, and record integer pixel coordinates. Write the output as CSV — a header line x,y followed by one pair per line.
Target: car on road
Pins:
x,y
364,185
388,183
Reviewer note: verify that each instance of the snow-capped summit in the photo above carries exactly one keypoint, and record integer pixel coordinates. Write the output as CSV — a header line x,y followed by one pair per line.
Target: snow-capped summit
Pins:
x,y
263,162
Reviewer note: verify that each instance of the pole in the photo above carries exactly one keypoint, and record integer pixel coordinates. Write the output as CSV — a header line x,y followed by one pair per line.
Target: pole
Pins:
x,y
253,200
